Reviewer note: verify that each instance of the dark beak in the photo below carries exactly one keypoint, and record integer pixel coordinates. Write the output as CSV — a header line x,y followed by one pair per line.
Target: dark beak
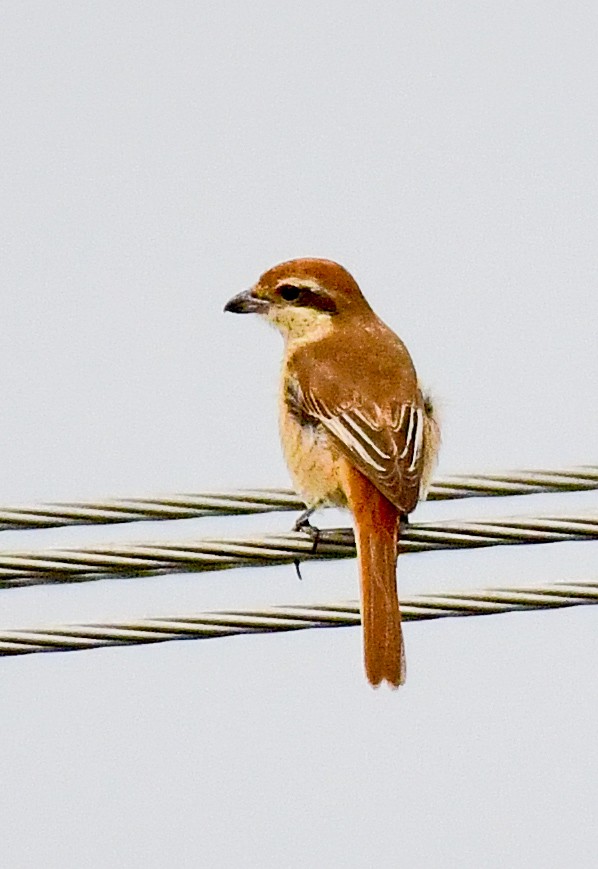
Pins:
x,y
246,303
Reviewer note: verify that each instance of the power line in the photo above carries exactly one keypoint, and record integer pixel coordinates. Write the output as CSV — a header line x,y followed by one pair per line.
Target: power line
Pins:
x,y
126,559
187,506
276,619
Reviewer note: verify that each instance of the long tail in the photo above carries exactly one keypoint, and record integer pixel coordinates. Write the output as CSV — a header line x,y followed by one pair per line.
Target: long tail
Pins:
x,y
377,524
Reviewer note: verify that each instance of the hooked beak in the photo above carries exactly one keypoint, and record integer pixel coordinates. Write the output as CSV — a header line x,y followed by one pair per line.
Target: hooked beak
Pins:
x,y
246,303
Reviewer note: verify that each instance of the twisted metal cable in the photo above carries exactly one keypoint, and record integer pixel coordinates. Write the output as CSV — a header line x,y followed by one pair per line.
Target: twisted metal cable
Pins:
x,y
126,559
275,619
579,479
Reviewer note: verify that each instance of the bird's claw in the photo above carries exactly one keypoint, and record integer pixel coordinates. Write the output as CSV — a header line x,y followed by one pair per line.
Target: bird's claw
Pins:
x,y
303,520
303,524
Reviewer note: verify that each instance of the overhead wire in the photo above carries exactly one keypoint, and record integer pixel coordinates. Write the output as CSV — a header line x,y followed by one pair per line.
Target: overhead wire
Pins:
x,y
187,506
118,560
59,565
276,619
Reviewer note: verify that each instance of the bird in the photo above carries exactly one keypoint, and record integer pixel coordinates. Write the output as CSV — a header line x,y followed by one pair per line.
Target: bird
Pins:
x,y
357,430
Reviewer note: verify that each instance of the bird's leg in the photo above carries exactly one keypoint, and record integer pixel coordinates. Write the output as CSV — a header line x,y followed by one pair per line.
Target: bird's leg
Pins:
x,y
303,519
403,526
303,524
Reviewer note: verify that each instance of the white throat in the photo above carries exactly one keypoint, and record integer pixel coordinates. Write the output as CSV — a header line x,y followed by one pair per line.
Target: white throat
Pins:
x,y
300,324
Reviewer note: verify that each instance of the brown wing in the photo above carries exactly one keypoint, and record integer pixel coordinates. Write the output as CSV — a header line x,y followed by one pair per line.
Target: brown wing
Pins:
x,y
370,405
385,444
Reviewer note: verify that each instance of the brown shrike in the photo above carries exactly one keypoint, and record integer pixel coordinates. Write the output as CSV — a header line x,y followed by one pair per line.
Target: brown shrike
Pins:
x,y
355,427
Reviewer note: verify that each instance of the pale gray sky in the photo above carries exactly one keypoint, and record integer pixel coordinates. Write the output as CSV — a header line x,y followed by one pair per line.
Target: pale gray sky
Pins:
x,y
154,159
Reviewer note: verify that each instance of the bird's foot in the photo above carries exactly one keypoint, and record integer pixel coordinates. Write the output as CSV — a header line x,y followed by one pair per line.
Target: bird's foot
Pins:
x,y
303,519
303,524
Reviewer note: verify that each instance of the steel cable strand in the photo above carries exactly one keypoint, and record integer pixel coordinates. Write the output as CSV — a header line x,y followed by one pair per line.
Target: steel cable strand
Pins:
x,y
26,568
276,619
188,506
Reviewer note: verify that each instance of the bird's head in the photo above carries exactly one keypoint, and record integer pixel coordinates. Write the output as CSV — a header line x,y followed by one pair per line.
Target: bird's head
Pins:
x,y
302,297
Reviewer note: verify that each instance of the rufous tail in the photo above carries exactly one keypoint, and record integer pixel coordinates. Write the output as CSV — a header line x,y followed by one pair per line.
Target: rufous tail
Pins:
x,y
377,524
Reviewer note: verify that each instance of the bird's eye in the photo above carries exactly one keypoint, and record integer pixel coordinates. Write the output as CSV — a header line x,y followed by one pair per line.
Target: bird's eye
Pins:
x,y
289,292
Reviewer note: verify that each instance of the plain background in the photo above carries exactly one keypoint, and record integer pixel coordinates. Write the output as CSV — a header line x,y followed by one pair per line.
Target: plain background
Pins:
x,y
155,157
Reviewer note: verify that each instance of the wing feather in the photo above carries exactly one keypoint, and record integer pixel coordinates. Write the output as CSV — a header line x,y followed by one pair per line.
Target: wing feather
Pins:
x,y
384,443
